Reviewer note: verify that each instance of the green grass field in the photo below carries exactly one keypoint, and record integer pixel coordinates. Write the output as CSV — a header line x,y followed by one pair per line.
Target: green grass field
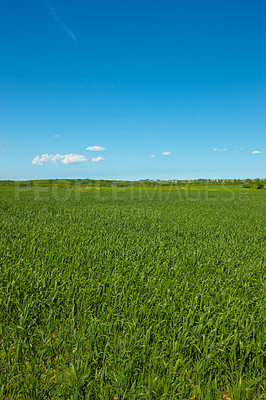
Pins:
x,y
132,294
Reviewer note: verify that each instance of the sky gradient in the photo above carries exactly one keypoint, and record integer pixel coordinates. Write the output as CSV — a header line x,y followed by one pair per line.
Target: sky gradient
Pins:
x,y
163,89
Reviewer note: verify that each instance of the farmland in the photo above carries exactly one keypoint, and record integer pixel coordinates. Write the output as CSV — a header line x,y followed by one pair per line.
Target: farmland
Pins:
x,y
132,293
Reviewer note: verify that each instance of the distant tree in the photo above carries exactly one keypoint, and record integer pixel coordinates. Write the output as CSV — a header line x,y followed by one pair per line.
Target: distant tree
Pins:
x,y
259,185
247,184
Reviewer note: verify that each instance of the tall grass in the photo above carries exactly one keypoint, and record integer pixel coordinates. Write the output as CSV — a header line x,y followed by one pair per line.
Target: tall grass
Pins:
x,y
131,295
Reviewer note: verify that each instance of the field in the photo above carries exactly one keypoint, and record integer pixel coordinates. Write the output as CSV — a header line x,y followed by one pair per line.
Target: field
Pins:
x,y
132,293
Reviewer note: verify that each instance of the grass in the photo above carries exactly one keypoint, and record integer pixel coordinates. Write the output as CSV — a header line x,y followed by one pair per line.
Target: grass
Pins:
x,y
132,294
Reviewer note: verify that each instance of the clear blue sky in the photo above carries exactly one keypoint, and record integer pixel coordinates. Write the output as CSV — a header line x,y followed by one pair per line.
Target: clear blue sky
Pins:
x,y
138,78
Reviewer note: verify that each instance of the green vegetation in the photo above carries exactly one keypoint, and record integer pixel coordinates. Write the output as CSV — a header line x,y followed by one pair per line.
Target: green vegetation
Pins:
x,y
81,183
132,293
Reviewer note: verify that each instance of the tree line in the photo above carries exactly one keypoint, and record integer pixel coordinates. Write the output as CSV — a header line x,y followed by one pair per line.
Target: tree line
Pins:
x,y
61,183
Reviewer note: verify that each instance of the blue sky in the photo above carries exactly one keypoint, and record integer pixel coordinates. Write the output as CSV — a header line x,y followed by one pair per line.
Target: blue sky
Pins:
x,y
137,78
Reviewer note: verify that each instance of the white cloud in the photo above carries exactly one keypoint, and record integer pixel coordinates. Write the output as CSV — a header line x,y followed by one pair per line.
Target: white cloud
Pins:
x,y
95,148
62,158
73,159
239,148
152,156
166,153
256,152
97,159
57,136
39,160
215,149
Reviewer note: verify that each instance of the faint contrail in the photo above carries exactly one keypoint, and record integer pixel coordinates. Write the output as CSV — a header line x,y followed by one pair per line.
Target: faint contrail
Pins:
x,y
57,19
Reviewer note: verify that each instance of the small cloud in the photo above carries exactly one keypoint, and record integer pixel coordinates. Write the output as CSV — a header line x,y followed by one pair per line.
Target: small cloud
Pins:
x,y
73,159
95,148
62,158
239,148
256,152
152,156
166,153
57,136
215,149
39,160
97,159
